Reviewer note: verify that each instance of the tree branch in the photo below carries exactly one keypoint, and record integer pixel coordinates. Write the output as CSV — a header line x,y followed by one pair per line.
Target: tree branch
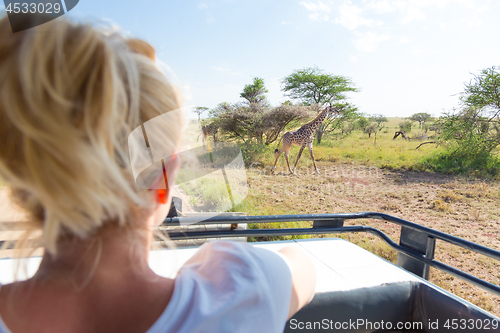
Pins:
x,y
424,143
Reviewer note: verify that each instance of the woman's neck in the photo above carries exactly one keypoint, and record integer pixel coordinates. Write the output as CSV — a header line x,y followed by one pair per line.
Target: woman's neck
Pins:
x,y
115,251
106,276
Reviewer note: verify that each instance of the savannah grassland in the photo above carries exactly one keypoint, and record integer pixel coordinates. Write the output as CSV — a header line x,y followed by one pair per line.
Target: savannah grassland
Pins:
x,y
392,177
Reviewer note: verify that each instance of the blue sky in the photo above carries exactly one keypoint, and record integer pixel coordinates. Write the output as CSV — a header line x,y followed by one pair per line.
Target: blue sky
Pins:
x,y
406,56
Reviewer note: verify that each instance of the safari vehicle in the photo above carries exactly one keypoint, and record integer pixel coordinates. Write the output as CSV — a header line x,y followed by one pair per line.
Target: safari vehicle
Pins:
x,y
358,291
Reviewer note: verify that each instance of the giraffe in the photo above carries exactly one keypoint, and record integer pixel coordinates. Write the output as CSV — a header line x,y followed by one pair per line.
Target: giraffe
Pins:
x,y
207,130
302,137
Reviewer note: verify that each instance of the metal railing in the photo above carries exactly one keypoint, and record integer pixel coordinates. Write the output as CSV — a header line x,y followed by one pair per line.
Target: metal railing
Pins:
x,y
415,250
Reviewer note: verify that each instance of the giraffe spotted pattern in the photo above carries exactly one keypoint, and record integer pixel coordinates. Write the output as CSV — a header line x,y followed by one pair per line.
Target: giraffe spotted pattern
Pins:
x,y
302,137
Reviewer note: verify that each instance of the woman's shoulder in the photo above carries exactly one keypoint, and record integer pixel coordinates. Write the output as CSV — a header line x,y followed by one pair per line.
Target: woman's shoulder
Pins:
x,y
225,259
227,285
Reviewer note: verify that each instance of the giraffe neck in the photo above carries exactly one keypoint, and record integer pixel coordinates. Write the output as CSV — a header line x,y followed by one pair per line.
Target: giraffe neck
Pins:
x,y
314,124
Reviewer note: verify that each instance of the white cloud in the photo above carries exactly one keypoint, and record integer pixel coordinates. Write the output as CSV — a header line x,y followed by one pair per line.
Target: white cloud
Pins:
x,y
209,18
319,10
353,59
412,13
382,6
318,17
355,14
285,23
368,42
316,7
351,18
404,40
224,69
483,8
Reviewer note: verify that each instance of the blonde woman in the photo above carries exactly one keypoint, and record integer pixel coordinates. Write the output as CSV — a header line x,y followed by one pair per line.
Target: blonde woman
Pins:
x,y
70,95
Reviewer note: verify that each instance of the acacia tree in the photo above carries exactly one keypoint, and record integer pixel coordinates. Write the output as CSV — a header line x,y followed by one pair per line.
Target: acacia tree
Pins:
x,y
199,110
371,129
474,131
254,93
362,122
348,114
256,122
312,85
421,117
405,126
378,118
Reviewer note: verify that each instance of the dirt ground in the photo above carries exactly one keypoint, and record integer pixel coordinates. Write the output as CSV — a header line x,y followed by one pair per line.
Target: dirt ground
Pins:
x,y
466,208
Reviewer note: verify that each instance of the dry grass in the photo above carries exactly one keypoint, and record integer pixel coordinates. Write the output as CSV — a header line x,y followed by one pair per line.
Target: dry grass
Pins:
x,y
450,196
440,205
458,206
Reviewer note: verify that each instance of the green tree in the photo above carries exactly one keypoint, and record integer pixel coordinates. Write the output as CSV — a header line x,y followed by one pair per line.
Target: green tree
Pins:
x,y
254,93
371,129
312,85
378,118
199,110
256,122
421,117
405,126
482,93
337,125
362,123
473,131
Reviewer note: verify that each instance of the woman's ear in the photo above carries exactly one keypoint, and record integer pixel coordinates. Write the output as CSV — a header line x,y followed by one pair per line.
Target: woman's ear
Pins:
x,y
141,47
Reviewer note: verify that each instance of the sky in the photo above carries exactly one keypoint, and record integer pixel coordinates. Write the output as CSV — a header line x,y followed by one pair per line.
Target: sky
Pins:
x,y
405,56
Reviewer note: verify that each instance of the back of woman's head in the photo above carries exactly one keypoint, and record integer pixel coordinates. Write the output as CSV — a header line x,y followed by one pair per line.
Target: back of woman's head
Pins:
x,y
69,97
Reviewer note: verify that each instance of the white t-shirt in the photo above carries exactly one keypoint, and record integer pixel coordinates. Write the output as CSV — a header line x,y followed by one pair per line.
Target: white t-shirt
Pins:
x,y
227,287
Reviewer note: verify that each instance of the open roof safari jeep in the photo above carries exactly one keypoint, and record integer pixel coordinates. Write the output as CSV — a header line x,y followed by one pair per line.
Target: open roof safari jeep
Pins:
x,y
356,290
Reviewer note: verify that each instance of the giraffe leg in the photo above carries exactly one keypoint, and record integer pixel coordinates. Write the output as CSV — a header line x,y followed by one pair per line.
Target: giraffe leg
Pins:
x,y
284,148
298,157
312,157
278,154
215,141
287,162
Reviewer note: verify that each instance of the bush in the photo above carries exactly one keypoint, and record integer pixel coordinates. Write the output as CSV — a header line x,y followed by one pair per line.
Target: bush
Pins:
x,y
256,122
472,134
254,152
482,165
406,126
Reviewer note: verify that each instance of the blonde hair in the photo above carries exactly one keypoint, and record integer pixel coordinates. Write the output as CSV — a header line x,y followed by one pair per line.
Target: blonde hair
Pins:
x,y
69,97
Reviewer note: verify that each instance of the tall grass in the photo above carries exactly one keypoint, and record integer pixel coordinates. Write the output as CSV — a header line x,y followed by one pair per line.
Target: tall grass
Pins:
x,y
482,165
358,148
